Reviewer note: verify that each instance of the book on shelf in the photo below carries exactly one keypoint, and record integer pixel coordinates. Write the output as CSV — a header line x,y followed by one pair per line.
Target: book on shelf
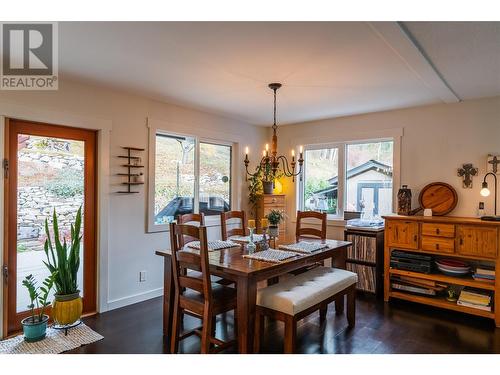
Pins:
x,y
486,279
475,296
413,288
474,306
413,281
486,271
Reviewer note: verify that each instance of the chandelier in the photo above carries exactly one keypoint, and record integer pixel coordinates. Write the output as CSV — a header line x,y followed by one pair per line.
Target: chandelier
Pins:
x,y
272,165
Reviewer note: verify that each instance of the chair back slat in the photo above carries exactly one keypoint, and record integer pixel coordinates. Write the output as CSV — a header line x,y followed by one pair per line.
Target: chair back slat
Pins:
x,y
183,260
224,217
199,219
301,231
191,283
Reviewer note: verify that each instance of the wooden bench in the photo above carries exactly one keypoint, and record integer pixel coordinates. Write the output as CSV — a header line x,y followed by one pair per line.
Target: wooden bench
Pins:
x,y
295,298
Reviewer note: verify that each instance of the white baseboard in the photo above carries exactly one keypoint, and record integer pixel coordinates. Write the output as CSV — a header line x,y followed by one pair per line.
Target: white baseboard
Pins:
x,y
129,300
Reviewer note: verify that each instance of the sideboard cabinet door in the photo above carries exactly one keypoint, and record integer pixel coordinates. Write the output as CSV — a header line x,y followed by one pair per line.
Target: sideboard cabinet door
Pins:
x,y
402,234
477,241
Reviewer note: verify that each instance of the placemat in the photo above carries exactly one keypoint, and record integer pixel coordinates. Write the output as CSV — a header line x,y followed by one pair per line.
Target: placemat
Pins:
x,y
256,238
304,247
271,255
213,245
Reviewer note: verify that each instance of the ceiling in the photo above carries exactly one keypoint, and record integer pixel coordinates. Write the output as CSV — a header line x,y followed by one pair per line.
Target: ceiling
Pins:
x,y
328,69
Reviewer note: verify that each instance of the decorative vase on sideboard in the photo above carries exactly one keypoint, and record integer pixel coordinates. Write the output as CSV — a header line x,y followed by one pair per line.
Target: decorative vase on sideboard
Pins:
x,y
267,187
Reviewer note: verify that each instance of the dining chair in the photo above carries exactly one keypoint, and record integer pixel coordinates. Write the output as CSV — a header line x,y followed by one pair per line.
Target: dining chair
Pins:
x,y
239,231
197,296
303,233
187,219
307,232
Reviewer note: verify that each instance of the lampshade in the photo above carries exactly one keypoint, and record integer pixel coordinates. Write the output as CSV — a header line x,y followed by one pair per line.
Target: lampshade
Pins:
x,y
485,191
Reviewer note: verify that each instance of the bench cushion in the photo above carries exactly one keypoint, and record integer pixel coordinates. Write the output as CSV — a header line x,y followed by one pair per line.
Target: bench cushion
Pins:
x,y
305,290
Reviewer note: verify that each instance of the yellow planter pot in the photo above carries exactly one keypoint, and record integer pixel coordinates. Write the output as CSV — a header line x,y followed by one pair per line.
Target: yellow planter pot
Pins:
x,y
67,309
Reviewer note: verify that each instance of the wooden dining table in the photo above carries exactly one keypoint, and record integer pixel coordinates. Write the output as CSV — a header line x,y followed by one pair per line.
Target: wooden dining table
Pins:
x,y
231,264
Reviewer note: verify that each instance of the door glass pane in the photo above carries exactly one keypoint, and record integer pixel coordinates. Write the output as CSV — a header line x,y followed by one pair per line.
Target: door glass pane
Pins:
x,y
321,180
369,178
50,175
174,177
215,178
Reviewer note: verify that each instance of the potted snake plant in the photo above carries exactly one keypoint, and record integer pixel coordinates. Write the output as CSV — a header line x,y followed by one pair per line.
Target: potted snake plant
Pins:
x,y
274,217
35,325
63,259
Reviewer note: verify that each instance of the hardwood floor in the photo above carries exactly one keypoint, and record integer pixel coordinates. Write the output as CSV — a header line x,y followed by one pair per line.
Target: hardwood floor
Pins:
x,y
398,327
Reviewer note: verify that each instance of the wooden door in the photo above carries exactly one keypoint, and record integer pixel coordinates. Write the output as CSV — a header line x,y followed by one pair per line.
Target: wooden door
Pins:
x,y
477,241
48,166
402,234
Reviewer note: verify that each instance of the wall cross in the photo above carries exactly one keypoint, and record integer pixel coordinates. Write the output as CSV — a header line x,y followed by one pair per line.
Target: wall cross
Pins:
x,y
467,171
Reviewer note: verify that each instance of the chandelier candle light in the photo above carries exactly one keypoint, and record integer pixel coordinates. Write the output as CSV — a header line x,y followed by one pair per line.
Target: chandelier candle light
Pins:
x,y
271,165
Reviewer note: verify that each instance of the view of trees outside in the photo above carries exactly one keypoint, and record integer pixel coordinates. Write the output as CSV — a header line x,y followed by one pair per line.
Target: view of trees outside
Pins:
x,y
360,153
175,177
174,171
320,166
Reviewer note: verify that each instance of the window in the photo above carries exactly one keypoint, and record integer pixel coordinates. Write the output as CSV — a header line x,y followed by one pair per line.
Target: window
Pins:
x,y
189,176
369,178
320,176
348,177
215,182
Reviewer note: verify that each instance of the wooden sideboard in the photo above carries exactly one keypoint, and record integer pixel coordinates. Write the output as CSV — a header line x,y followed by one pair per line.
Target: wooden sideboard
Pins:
x,y
268,202
464,238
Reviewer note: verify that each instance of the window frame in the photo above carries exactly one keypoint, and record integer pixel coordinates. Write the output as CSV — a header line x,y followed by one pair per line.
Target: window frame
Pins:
x,y
342,168
211,220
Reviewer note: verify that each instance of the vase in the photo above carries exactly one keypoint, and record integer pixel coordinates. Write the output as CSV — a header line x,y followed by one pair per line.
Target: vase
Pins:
x,y
67,308
274,230
404,200
34,331
268,187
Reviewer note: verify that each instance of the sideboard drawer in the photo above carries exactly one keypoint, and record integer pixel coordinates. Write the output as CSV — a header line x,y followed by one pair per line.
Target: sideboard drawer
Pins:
x,y
440,230
438,244
274,200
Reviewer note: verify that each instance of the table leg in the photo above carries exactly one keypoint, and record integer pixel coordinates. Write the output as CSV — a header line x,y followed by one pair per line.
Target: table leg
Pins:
x,y
246,299
168,300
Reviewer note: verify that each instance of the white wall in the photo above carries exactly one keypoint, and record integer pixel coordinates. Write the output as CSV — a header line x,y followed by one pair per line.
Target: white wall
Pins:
x,y
437,140
130,248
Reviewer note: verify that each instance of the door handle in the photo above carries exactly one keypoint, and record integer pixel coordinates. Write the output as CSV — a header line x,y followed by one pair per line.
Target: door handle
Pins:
x,y
5,272
437,246
437,231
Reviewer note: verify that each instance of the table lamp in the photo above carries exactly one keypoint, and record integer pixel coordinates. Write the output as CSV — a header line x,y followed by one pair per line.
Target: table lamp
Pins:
x,y
486,192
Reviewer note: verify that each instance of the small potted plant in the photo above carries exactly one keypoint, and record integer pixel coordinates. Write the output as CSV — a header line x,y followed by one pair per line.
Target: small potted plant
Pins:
x,y
63,258
274,217
35,325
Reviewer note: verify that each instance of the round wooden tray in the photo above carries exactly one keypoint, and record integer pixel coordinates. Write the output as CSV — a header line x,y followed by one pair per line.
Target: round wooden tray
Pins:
x,y
440,197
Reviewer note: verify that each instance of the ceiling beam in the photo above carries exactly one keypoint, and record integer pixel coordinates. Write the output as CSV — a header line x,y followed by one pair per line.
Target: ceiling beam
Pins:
x,y
399,39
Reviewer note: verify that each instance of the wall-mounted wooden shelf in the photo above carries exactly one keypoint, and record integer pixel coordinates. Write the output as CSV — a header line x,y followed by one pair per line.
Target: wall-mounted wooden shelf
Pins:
x,y
129,165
